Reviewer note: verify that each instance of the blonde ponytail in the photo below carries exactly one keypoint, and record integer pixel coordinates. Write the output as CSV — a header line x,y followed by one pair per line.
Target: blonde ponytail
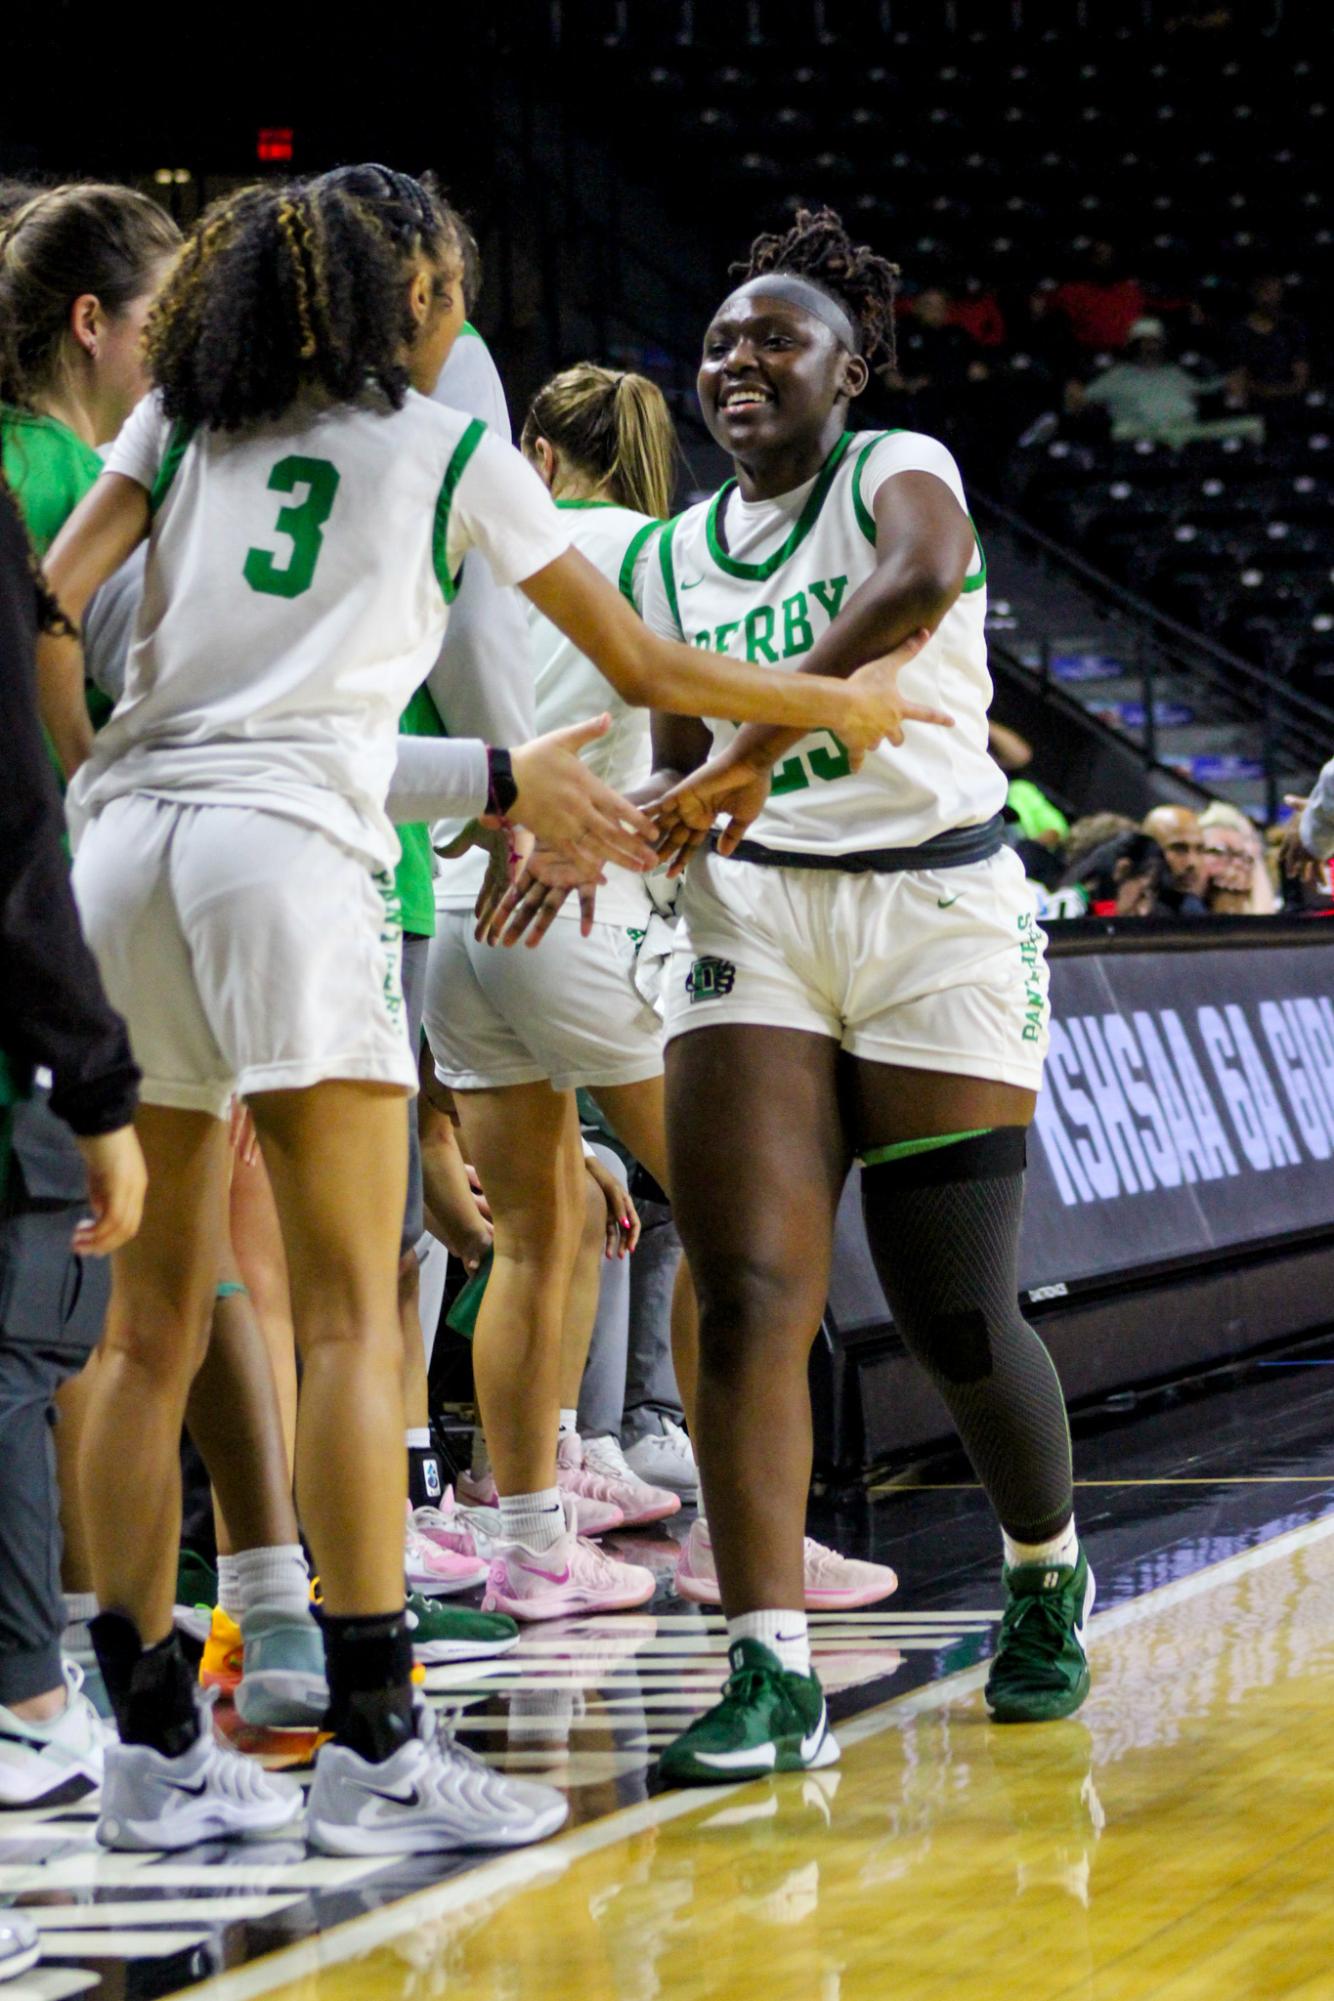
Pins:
x,y
614,429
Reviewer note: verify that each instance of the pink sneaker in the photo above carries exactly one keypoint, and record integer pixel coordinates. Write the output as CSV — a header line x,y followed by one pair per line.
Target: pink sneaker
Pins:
x,y
834,1583
434,1571
478,1490
639,1502
569,1580
444,1526
596,1517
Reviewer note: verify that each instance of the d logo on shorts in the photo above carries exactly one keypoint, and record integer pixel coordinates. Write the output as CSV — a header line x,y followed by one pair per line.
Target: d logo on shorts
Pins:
x,y
710,979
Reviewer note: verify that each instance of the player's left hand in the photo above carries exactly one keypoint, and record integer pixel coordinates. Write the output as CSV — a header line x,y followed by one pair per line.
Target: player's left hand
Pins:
x,y
686,814
623,1224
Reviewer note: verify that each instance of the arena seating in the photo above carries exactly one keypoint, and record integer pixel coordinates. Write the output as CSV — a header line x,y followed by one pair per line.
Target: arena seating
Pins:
x,y
988,149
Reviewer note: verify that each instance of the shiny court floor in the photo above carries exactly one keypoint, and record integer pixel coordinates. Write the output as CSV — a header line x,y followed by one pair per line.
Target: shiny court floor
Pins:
x,y
1173,1841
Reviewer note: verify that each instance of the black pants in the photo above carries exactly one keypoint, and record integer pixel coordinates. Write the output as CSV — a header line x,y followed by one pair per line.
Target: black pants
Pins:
x,y
52,1306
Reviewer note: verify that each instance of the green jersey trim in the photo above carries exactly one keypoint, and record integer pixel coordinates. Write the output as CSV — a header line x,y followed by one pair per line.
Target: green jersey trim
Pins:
x,y
866,520
585,503
454,472
759,573
630,561
469,328
178,443
669,572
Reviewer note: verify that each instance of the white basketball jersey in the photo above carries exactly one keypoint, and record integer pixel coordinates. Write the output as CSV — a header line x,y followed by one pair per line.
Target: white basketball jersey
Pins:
x,y
297,589
762,580
570,689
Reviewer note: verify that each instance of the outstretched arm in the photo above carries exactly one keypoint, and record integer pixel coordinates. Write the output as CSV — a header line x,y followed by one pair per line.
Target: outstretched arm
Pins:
x,y
652,672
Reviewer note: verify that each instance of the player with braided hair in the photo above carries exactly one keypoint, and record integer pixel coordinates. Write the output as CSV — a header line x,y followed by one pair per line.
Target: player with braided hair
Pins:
x,y
859,973
307,509
818,248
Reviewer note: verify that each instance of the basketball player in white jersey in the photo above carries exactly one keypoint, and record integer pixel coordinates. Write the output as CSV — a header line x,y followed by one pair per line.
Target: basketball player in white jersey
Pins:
x,y
859,973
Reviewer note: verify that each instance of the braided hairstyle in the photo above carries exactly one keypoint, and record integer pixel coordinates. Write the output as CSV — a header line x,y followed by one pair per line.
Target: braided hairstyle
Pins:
x,y
819,249
288,290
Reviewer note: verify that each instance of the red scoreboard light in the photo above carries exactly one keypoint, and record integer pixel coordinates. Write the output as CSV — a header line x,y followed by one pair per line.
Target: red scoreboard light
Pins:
x,y
274,142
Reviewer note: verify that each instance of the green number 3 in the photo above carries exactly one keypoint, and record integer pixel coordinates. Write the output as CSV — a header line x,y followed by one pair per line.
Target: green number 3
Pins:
x,y
304,523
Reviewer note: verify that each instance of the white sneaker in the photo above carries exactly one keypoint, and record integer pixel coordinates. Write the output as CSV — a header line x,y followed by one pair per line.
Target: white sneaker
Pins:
x,y
666,1459
20,1944
63,1755
430,1795
207,1792
638,1500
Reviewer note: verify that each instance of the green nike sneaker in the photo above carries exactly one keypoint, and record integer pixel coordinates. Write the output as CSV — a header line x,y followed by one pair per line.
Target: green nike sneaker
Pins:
x,y
453,1633
1041,1670
768,1721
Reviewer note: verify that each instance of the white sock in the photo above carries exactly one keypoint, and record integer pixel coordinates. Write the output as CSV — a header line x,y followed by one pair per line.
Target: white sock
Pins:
x,y
229,1588
1059,1549
569,1422
784,1633
535,1520
479,1465
276,1578
418,1437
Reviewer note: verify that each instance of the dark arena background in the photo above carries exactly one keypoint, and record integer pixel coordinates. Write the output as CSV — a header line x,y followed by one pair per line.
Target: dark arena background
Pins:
x,y
1114,221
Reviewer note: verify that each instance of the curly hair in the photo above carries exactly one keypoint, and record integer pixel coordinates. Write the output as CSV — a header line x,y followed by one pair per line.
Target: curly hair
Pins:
x,y
284,290
818,248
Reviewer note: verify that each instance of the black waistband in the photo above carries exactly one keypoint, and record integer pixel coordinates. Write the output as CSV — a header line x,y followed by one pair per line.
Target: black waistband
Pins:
x,y
951,850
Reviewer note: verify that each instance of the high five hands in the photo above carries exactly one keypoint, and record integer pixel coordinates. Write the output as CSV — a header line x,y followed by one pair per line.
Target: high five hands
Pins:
x,y
678,822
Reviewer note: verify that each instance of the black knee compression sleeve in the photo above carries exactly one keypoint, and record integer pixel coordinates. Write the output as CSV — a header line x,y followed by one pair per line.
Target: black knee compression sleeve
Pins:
x,y
943,1225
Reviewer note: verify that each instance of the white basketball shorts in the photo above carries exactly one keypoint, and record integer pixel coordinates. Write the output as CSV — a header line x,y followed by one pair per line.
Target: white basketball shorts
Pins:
x,y
566,1011
247,952
936,969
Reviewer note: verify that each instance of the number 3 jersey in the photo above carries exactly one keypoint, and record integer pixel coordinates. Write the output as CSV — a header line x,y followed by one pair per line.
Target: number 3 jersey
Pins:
x,y
762,580
298,583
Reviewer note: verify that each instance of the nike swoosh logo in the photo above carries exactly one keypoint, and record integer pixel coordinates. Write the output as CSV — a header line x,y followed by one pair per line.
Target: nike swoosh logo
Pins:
x,y
810,1745
694,584
552,1576
944,902
411,1798
195,1791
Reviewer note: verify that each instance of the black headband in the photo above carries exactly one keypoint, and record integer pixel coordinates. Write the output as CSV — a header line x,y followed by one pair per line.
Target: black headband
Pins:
x,y
811,298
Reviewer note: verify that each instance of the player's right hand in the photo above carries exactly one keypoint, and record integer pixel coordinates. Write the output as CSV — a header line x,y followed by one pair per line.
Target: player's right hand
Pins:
x,y
879,711
117,1180
568,807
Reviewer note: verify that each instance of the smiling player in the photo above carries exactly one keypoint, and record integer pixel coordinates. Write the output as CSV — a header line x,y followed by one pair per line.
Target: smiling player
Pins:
x,y
859,973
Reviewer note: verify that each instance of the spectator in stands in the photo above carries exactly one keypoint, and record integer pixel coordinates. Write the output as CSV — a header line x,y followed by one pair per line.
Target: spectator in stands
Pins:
x,y
1266,352
1120,878
1089,833
1025,802
1239,884
1177,832
937,364
1148,395
1101,308
978,311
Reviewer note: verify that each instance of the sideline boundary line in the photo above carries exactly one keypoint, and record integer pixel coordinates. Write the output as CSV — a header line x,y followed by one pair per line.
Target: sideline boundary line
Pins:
x,y
527,1867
